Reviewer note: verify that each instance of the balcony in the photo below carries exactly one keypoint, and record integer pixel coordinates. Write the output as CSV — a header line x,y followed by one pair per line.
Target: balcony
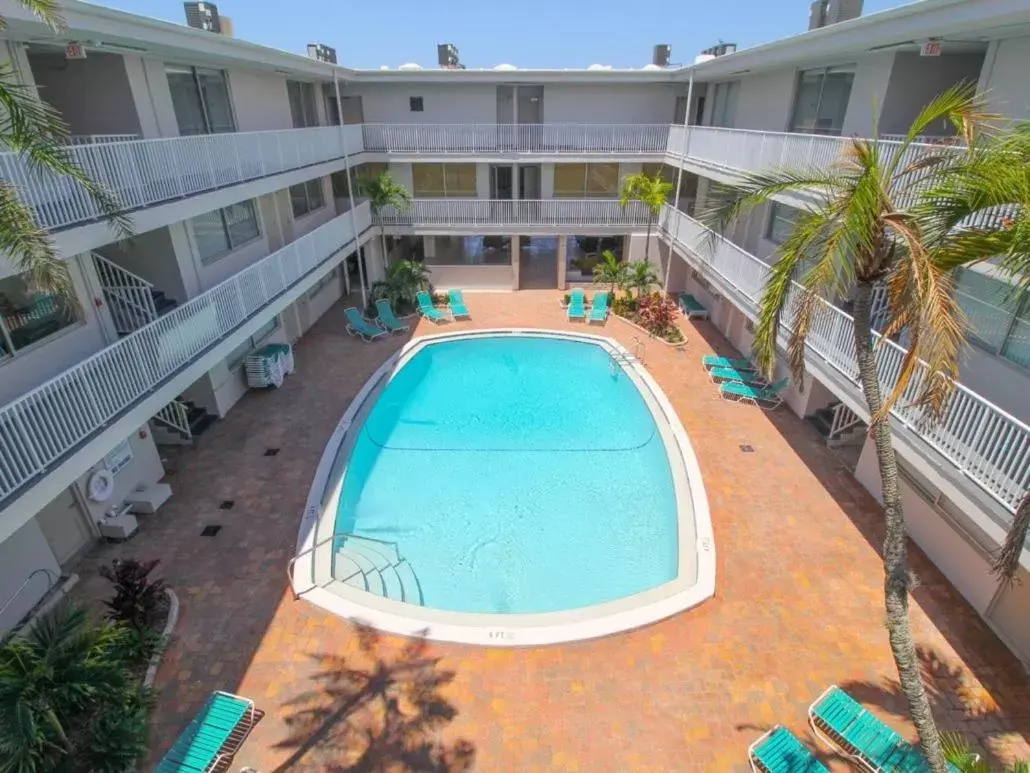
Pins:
x,y
980,441
144,173
514,216
532,140
121,386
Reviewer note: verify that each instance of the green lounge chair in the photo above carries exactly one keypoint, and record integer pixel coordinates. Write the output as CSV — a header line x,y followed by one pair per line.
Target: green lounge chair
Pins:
x,y
357,325
388,319
690,306
427,309
457,304
764,397
749,377
714,361
780,751
842,722
214,736
599,308
577,305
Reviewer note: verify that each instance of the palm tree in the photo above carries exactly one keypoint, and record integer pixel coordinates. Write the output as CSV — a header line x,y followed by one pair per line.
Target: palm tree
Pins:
x,y
63,667
959,753
383,191
406,278
34,129
610,271
875,220
652,192
642,277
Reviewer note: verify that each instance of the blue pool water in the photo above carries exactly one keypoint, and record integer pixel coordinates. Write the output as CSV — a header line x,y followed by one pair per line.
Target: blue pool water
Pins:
x,y
516,475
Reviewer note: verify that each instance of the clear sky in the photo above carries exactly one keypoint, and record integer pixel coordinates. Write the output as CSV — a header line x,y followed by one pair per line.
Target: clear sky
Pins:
x,y
526,33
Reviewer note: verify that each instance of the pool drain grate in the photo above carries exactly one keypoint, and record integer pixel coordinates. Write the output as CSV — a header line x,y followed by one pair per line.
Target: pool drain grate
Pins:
x,y
271,452
747,449
227,504
210,531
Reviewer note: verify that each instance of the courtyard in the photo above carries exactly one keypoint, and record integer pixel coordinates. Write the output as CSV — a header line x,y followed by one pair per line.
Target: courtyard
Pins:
x,y
798,602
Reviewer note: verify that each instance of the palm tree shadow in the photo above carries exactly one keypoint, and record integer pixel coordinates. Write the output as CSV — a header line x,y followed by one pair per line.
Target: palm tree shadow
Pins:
x,y
955,704
377,711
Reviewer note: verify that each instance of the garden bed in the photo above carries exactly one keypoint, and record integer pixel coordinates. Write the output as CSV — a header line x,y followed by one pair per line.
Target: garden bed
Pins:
x,y
673,336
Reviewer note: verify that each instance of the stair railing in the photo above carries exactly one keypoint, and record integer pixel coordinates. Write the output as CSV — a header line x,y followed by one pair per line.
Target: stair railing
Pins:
x,y
129,297
843,419
176,416
51,578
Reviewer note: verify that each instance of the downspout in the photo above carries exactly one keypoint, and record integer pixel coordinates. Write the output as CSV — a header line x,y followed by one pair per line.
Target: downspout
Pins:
x,y
350,190
683,142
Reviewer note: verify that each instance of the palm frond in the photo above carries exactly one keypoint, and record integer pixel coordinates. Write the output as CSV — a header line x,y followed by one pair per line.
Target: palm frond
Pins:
x,y
48,12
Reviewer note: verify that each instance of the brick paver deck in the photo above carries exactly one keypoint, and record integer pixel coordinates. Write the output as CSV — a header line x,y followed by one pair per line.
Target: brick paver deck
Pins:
x,y
798,604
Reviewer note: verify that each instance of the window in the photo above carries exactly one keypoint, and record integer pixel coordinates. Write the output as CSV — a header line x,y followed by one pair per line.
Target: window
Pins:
x,y
415,104
724,104
998,314
666,172
302,104
307,197
27,316
586,180
221,231
321,283
443,180
239,354
821,100
201,100
781,222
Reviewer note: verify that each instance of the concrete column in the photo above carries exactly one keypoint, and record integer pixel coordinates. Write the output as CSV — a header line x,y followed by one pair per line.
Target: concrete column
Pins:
x,y
515,262
515,192
482,181
563,246
547,181
429,246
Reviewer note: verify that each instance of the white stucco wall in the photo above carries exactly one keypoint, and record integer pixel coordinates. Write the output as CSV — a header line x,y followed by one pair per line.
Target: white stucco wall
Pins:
x,y
260,100
766,100
21,554
93,94
160,95
610,104
868,90
46,359
388,103
916,80
145,469
151,255
1005,77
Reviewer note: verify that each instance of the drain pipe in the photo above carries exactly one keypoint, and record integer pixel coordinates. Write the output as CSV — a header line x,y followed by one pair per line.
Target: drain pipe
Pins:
x,y
350,192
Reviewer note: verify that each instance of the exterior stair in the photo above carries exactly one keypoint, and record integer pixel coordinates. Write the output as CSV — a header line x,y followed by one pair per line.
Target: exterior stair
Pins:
x,y
180,423
835,428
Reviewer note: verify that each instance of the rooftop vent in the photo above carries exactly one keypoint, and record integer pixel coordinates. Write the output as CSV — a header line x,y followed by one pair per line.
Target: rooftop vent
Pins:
x,y
203,16
322,53
447,57
720,49
823,13
505,66
661,54
410,66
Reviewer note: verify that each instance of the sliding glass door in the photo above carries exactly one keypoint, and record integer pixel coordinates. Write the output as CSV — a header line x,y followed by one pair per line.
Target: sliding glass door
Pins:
x,y
821,100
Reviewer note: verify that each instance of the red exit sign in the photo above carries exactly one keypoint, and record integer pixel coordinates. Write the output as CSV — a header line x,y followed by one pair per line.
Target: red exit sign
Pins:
x,y
74,51
931,48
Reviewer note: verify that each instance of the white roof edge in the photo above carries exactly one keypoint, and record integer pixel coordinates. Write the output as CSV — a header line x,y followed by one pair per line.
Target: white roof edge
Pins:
x,y
914,21
922,19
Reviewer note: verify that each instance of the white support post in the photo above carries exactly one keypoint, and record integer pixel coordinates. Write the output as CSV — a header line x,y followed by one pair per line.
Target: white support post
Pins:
x,y
350,187
683,141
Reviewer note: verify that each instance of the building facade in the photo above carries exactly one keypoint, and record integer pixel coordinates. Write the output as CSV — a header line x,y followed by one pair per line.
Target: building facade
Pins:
x,y
237,164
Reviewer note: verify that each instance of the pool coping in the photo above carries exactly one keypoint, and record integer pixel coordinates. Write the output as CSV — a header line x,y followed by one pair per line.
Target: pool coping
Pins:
x,y
509,630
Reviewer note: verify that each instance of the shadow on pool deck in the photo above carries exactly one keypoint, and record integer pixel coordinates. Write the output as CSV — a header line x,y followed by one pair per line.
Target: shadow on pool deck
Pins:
x,y
997,702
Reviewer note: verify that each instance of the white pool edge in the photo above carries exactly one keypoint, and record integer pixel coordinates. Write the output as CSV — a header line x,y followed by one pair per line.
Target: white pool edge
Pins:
x,y
517,630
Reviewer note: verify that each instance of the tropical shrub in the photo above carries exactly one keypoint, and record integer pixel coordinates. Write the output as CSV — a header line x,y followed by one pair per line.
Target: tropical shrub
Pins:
x,y
137,597
657,314
641,276
405,280
624,306
609,270
62,669
117,735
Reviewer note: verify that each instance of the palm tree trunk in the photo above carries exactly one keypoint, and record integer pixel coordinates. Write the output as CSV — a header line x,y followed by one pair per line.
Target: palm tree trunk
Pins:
x,y
386,258
895,542
647,244
1006,560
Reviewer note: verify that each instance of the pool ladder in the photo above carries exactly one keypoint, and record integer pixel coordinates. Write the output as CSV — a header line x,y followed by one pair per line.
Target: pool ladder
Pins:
x,y
368,564
627,357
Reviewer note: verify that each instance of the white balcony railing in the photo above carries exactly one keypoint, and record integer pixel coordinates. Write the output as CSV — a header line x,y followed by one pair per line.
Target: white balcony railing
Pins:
x,y
142,173
502,213
46,424
985,443
530,139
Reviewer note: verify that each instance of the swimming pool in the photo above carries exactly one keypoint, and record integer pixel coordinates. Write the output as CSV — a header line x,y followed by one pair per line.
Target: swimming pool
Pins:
x,y
502,486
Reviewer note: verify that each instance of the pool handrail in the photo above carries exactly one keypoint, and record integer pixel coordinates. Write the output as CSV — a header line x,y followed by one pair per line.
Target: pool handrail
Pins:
x,y
330,538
